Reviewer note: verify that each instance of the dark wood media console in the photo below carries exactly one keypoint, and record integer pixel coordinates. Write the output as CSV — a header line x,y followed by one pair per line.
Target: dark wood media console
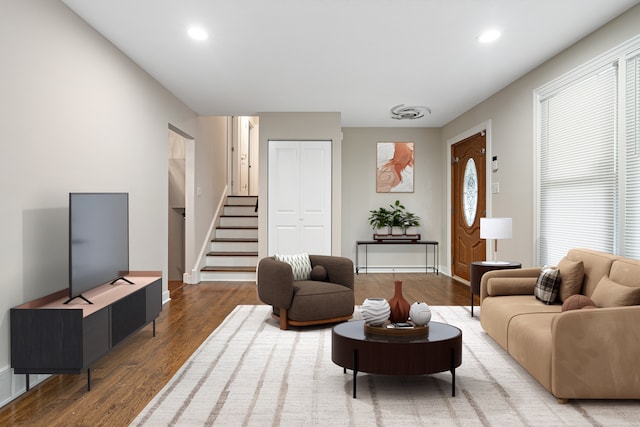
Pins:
x,y
51,337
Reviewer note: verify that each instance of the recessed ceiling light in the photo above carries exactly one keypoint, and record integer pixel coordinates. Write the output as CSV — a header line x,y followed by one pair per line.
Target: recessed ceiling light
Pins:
x,y
489,36
197,33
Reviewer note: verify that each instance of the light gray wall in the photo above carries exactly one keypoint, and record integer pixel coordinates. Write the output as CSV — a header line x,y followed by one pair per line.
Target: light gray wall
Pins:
x,y
75,115
359,191
512,139
301,126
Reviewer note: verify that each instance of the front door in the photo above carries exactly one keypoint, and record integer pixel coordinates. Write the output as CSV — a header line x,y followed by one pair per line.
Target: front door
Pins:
x,y
468,203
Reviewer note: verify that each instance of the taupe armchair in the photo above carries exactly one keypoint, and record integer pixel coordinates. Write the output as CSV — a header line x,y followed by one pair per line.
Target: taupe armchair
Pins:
x,y
327,299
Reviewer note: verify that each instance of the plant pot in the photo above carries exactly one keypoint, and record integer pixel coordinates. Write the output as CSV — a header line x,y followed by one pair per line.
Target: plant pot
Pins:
x,y
411,230
397,231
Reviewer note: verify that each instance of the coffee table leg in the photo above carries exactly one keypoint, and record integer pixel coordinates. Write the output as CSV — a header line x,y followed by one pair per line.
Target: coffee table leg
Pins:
x,y
355,371
453,373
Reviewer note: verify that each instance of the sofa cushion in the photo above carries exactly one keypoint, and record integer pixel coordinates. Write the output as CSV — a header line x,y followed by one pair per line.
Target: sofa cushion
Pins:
x,y
547,285
530,344
611,294
625,272
577,302
596,265
497,312
300,265
572,273
497,286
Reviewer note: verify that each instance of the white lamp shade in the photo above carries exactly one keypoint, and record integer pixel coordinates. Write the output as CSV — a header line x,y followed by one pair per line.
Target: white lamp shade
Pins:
x,y
495,228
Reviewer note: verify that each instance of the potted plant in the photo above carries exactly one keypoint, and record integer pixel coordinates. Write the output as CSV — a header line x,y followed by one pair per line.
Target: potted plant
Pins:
x,y
410,223
380,219
398,212
395,219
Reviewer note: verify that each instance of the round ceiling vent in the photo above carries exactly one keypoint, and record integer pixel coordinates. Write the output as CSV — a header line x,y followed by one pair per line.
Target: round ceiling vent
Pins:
x,y
410,112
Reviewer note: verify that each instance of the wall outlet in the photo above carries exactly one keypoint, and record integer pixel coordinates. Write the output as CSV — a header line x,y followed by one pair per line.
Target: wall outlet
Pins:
x,y
495,187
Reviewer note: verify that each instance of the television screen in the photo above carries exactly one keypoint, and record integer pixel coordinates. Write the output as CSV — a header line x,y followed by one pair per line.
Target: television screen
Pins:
x,y
98,239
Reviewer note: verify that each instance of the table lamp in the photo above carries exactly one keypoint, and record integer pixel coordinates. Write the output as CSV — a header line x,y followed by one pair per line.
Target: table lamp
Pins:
x,y
495,228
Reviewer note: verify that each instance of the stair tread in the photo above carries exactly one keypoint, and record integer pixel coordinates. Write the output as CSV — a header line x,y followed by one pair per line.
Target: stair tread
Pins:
x,y
228,269
232,254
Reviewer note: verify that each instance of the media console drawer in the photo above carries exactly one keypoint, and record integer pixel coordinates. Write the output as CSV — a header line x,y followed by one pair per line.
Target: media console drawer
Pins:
x,y
50,337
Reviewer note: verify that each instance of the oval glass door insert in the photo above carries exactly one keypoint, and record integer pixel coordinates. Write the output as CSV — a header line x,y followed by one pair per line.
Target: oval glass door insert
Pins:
x,y
470,192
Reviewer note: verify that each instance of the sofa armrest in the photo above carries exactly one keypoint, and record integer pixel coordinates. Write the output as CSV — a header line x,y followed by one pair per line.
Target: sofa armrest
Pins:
x,y
520,281
339,269
275,283
595,353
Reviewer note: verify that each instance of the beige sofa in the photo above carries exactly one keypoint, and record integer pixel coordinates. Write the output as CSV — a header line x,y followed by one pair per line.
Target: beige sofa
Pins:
x,y
575,354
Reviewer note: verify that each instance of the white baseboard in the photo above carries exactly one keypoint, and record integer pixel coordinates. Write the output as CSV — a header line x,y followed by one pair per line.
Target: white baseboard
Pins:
x,y
388,269
12,386
166,297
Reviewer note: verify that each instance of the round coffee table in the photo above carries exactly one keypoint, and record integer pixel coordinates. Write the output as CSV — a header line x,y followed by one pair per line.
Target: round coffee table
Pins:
x,y
438,351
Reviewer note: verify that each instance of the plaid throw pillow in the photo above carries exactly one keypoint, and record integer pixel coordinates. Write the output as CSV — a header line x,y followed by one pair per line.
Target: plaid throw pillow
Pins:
x,y
547,285
300,265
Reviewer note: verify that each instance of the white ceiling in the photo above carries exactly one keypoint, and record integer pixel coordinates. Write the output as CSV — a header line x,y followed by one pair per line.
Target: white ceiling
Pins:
x,y
357,57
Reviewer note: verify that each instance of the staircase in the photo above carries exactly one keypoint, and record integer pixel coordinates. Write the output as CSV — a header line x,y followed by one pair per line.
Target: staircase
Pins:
x,y
234,248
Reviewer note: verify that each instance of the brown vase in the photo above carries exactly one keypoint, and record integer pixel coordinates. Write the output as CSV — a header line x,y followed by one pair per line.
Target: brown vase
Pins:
x,y
399,306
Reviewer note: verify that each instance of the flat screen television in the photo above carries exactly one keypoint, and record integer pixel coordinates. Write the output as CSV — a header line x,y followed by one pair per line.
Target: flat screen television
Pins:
x,y
98,240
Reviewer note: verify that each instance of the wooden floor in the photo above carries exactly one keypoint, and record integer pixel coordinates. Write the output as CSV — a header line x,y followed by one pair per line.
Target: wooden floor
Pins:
x,y
124,381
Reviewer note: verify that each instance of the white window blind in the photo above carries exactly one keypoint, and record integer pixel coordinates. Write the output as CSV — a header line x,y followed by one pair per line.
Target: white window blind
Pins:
x,y
578,167
631,235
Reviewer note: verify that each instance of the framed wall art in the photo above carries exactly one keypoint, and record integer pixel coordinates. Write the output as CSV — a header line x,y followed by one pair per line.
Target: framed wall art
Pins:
x,y
394,167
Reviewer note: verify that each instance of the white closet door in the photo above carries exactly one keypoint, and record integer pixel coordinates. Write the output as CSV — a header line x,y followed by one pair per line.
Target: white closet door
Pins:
x,y
299,197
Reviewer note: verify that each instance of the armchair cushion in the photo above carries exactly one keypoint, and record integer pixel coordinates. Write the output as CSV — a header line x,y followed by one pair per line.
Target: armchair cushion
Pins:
x,y
319,273
300,265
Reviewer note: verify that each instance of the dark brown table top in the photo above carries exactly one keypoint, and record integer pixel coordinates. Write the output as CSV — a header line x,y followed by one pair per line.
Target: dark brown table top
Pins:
x,y
439,350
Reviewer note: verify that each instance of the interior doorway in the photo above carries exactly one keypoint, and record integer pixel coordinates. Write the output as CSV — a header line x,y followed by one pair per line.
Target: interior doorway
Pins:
x,y
468,202
244,159
180,169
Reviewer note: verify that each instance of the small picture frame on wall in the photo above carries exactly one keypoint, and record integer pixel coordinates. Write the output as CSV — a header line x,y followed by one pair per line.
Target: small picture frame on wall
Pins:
x,y
395,167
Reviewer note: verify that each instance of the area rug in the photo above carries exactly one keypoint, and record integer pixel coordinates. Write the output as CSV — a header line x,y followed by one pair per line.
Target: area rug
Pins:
x,y
250,373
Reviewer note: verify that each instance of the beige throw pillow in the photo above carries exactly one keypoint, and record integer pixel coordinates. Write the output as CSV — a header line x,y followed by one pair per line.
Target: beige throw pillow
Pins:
x,y
572,273
611,294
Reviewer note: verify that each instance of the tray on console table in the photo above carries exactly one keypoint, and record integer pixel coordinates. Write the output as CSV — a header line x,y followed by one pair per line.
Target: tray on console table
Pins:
x,y
396,237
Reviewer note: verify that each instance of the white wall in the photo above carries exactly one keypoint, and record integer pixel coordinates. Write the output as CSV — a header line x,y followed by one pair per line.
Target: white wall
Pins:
x,y
301,126
76,115
359,193
511,115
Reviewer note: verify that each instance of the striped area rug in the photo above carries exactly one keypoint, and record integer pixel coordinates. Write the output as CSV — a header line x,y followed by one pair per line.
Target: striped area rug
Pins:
x,y
250,373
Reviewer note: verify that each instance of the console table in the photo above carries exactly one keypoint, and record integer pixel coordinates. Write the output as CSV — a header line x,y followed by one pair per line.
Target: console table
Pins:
x,y
425,243
478,268
51,337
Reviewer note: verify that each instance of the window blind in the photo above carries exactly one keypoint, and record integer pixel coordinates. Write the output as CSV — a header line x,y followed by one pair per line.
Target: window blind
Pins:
x,y
578,167
631,237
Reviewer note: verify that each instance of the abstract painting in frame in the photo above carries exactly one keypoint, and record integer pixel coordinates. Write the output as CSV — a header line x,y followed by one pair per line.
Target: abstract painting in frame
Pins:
x,y
394,167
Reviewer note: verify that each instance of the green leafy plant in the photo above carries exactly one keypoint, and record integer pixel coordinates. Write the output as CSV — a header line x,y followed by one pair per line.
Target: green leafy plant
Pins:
x,y
394,216
379,218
